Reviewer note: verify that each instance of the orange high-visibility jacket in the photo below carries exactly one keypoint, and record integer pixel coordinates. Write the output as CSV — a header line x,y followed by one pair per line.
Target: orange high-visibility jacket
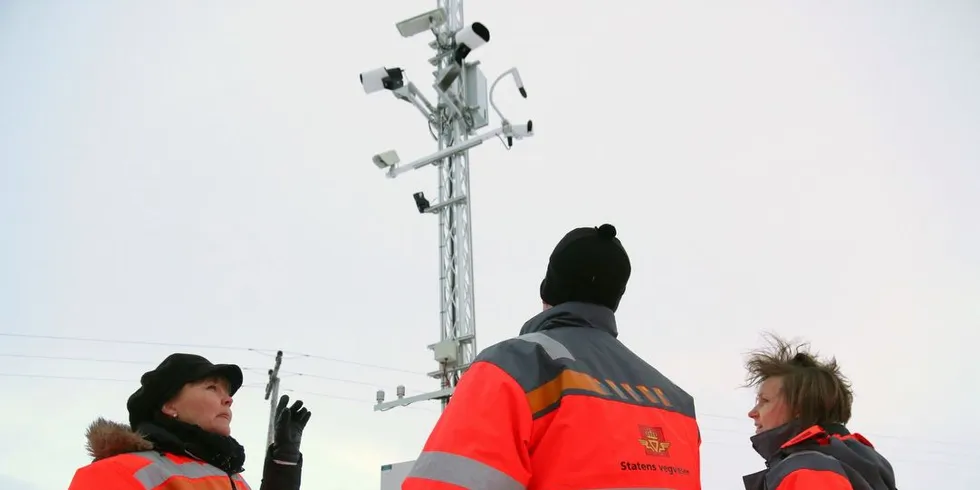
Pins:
x,y
563,406
825,458
124,461
150,470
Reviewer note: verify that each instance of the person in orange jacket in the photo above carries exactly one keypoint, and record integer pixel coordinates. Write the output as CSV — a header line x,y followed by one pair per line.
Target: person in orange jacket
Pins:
x,y
801,410
565,404
179,435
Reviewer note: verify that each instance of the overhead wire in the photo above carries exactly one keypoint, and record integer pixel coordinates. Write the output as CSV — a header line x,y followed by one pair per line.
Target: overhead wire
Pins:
x,y
127,361
326,378
426,409
374,385
132,342
292,354
93,359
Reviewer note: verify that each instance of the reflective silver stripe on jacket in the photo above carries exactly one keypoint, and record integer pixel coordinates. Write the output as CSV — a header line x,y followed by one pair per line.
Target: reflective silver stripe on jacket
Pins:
x,y
471,474
462,471
162,469
554,348
241,483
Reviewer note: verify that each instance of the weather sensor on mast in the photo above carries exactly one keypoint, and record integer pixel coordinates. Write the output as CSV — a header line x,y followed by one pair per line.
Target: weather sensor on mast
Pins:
x,y
462,105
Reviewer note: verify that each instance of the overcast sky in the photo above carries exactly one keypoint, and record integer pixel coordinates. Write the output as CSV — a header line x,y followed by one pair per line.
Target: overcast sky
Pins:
x,y
200,173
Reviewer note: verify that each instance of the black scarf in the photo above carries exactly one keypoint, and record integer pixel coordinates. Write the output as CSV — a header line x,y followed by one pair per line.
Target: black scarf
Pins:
x,y
171,435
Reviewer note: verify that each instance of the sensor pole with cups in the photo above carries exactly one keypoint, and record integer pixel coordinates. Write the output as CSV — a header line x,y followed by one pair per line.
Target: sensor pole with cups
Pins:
x,y
459,109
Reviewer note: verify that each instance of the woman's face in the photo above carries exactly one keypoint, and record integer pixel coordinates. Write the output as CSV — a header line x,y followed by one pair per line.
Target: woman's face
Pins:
x,y
205,403
770,410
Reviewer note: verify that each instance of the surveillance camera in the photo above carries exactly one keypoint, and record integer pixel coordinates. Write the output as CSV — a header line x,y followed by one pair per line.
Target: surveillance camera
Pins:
x,y
470,38
421,203
446,77
422,22
518,131
522,130
400,391
386,159
382,78
380,396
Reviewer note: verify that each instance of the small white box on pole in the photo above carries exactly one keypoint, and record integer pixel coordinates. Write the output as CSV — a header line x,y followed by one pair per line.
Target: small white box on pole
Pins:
x,y
392,475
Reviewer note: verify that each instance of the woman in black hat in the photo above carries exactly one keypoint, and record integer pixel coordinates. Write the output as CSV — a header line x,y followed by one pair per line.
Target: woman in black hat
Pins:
x,y
180,431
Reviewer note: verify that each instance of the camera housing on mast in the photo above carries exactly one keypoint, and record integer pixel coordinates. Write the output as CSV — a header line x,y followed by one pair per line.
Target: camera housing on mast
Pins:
x,y
386,159
466,40
421,203
427,21
382,79
469,38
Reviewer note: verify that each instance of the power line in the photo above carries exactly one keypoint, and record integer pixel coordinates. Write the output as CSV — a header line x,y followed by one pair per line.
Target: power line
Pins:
x,y
93,359
76,378
84,378
425,409
363,383
268,352
328,378
358,400
131,342
250,369
872,435
85,359
355,363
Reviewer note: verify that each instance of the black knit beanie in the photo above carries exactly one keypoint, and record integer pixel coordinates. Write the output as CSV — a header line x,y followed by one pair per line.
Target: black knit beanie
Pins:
x,y
588,265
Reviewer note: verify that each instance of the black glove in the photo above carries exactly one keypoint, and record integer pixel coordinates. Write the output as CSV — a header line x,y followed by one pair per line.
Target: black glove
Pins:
x,y
290,422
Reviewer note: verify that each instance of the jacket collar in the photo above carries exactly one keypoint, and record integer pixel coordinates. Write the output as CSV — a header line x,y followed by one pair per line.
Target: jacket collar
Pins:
x,y
573,314
755,481
768,443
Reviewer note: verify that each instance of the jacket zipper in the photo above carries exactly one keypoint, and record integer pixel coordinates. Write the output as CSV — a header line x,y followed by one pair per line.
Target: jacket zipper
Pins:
x,y
232,480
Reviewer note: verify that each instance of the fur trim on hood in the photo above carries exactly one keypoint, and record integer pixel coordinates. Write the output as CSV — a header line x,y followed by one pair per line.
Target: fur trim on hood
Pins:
x,y
107,439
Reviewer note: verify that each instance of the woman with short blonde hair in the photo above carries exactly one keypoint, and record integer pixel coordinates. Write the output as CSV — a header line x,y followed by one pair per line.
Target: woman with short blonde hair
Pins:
x,y
803,404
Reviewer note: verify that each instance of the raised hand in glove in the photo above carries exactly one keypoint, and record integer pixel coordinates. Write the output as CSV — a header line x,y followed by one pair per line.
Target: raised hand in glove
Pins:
x,y
290,422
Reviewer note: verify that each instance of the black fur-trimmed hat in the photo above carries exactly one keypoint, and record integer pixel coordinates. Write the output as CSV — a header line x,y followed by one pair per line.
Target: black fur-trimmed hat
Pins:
x,y
165,382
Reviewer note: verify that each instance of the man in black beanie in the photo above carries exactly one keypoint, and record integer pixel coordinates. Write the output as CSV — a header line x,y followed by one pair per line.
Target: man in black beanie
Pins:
x,y
566,404
588,265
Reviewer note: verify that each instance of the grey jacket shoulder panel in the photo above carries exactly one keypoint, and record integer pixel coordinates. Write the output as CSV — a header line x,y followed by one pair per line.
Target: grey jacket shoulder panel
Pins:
x,y
566,345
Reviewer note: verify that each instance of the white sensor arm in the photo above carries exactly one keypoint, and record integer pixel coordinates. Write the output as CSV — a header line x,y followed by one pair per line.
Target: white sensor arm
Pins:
x,y
415,91
438,156
410,93
520,87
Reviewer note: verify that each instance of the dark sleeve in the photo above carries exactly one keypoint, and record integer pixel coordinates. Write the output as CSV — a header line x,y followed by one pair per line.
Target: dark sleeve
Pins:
x,y
278,476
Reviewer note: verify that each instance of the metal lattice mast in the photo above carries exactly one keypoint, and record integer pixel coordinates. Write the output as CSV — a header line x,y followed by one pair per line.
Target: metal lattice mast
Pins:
x,y
463,107
457,311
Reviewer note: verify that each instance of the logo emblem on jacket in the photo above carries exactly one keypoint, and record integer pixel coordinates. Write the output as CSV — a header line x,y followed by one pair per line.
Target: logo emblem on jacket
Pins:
x,y
653,442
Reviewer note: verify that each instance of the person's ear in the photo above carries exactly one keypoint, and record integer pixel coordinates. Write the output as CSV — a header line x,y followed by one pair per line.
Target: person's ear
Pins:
x,y
169,409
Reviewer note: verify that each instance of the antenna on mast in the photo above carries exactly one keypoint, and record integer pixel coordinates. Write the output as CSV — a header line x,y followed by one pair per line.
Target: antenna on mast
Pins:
x,y
462,107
